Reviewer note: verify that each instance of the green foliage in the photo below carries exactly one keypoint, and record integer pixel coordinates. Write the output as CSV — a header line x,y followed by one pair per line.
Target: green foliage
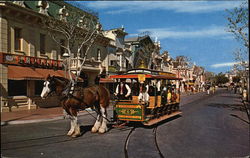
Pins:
x,y
236,79
220,79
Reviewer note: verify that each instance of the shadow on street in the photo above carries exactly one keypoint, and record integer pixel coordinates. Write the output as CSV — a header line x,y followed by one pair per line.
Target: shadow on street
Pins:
x,y
233,107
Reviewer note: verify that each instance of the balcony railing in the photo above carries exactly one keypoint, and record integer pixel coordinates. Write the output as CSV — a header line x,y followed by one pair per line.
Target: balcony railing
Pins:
x,y
76,63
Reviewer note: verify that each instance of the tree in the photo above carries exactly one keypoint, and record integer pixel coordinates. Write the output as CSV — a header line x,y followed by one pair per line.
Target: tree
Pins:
x,y
198,70
220,79
238,25
209,76
236,79
183,61
77,29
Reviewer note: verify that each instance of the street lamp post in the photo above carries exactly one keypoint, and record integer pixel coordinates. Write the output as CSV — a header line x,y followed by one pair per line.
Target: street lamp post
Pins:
x,y
67,64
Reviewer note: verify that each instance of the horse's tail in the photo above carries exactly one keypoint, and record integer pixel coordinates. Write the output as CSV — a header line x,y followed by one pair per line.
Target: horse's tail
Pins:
x,y
107,96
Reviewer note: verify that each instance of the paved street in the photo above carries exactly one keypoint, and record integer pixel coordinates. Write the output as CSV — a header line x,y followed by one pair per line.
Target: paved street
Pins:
x,y
210,126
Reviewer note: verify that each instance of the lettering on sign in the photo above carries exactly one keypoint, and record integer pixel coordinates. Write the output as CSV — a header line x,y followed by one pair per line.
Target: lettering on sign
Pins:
x,y
27,60
9,58
128,111
30,61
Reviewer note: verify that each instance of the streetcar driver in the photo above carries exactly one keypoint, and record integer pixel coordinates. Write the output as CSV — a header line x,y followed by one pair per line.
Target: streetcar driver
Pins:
x,y
123,91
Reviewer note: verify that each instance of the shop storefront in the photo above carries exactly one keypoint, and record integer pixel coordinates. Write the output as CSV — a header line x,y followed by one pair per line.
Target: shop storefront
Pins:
x,y
24,81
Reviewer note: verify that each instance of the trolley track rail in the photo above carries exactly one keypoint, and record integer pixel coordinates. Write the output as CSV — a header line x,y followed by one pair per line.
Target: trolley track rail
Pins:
x,y
156,143
127,141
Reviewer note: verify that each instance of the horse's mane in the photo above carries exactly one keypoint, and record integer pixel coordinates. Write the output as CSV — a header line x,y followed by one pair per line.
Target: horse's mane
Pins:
x,y
61,78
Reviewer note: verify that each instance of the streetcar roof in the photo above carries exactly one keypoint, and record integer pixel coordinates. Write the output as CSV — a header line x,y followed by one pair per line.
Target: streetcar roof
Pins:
x,y
152,74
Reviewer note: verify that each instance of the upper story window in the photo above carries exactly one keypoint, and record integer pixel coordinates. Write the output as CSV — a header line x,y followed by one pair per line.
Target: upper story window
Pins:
x,y
18,38
42,43
98,57
112,62
83,51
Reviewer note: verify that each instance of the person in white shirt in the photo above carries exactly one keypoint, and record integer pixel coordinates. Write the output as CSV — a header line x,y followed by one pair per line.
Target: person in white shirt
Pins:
x,y
158,86
143,95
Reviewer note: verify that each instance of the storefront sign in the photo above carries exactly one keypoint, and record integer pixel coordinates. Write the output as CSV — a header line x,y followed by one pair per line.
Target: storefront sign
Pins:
x,y
21,60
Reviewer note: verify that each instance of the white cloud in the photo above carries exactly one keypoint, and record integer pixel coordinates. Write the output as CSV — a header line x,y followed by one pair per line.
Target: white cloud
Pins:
x,y
207,32
116,7
224,64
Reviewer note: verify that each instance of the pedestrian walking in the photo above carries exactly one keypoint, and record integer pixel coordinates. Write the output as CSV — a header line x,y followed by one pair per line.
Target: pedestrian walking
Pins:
x,y
208,89
244,94
213,89
235,89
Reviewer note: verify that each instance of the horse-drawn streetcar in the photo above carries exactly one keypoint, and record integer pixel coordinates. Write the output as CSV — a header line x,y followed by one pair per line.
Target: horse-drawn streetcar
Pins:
x,y
143,95
147,96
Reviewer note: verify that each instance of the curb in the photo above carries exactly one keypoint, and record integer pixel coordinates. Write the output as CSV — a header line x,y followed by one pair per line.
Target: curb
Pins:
x,y
5,123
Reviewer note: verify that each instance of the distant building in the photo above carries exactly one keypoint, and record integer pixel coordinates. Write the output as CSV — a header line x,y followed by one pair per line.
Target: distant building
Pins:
x,y
118,58
142,49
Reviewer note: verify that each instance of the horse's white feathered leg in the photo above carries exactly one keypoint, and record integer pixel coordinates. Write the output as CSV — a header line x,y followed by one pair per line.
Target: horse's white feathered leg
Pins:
x,y
97,125
72,126
77,131
65,114
103,127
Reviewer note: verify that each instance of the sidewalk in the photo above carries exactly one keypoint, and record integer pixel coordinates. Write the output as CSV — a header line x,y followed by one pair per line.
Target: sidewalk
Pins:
x,y
32,116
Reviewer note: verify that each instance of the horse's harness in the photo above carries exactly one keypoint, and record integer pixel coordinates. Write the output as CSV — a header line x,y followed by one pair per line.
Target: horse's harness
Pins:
x,y
71,88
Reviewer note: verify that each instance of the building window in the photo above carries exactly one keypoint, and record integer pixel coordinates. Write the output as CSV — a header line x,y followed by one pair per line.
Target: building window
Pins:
x,y
62,50
112,62
98,56
17,87
42,43
83,51
127,64
38,87
18,38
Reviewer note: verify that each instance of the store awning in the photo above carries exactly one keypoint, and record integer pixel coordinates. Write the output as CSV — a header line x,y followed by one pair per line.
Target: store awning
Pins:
x,y
28,73
51,72
23,73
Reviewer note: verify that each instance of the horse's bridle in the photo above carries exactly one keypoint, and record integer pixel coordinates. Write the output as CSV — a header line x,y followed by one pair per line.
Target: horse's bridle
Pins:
x,y
51,86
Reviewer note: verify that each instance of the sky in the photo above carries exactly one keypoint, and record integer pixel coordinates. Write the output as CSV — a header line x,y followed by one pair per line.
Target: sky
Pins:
x,y
196,29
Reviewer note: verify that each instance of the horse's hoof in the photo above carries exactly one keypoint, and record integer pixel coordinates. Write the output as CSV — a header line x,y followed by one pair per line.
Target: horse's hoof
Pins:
x,y
94,130
75,135
70,133
102,130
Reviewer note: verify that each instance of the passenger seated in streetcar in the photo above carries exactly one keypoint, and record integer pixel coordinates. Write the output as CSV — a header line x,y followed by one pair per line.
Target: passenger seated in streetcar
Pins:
x,y
169,95
158,86
123,91
152,89
144,96
163,94
174,95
